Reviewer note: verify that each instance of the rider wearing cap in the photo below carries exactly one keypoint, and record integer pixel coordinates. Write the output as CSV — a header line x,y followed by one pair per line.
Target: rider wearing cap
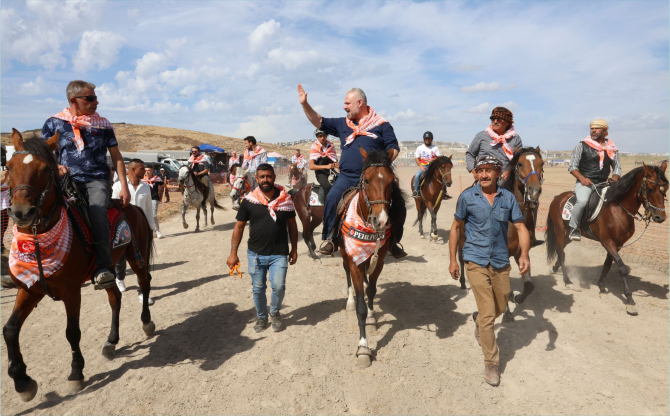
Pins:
x,y
590,163
322,159
485,210
300,162
423,156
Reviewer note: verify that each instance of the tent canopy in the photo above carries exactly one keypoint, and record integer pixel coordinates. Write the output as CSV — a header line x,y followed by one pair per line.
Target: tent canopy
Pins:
x,y
206,147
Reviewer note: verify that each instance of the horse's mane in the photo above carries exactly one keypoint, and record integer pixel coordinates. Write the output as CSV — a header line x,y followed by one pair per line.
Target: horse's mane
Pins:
x,y
509,182
196,181
434,164
620,188
379,157
38,148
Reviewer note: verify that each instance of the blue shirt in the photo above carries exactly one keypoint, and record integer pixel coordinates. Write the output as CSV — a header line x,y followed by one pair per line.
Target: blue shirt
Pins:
x,y
91,163
486,225
351,160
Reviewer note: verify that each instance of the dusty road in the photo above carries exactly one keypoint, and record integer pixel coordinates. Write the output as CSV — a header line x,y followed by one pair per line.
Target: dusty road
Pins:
x,y
569,352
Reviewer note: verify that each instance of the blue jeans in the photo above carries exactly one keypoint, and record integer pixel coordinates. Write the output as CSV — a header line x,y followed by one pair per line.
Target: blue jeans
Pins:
x,y
342,183
417,179
259,268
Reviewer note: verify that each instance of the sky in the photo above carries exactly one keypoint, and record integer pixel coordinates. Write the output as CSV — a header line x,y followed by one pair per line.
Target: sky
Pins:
x,y
232,67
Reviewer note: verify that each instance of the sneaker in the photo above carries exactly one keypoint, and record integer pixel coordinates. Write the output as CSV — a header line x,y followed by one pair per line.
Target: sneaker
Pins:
x,y
446,196
158,234
121,284
149,301
492,375
277,324
104,279
415,194
575,235
261,324
327,248
397,251
474,318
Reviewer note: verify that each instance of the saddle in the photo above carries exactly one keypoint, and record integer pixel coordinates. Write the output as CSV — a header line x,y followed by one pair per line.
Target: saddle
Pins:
x,y
317,195
593,207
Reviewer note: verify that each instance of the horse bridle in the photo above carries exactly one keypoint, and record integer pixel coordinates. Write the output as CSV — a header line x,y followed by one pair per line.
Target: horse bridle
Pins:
x,y
526,200
644,193
37,220
369,203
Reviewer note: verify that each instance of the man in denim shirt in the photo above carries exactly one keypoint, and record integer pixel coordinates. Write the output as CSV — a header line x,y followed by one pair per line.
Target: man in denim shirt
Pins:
x,y
485,210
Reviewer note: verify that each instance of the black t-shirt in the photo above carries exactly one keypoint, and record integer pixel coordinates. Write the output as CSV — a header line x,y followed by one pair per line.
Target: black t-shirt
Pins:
x,y
266,237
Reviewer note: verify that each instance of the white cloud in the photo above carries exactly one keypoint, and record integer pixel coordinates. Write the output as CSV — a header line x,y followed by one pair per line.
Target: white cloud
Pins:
x,y
480,109
97,48
291,60
510,105
205,105
487,87
263,34
33,88
133,13
467,68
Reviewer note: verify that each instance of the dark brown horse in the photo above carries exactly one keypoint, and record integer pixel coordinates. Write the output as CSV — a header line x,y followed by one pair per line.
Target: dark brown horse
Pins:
x,y
35,197
524,180
374,201
310,216
645,186
296,176
438,173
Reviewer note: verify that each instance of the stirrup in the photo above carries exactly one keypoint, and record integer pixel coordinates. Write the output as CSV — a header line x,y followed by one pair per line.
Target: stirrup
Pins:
x,y
322,249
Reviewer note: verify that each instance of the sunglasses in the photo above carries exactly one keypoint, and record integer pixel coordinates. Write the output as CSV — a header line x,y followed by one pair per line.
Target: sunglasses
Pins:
x,y
497,118
89,98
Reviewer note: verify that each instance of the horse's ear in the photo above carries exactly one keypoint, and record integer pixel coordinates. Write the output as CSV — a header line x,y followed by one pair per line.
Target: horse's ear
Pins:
x,y
537,149
363,152
646,169
390,153
53,142
450,156
664,165
17,140
517,149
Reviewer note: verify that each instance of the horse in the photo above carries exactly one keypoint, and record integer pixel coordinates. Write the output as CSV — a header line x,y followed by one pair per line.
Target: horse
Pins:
x,y
197,194
36,199
525,178
241,185
373,194
296,176
643,186
437,173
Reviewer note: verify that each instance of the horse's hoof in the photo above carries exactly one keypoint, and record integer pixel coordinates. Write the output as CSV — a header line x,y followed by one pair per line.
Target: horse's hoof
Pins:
x,y
370,320
75,386
602,295
213,221
363,357
554,269
631,310
568,286
422,236
108,350
197,230
149,328
185,225
434,236
508,317
29,393
351,306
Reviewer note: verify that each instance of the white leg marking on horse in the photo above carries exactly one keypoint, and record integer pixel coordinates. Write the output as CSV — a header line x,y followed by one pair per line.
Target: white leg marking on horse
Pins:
x,y
351,295
371,313
28,159
363,342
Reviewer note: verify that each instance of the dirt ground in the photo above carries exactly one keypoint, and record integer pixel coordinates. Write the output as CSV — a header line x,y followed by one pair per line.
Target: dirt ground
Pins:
x,y
568,352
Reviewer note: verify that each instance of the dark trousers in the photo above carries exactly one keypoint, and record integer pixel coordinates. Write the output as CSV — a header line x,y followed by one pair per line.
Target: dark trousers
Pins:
x,y
121,272
322,178
98,194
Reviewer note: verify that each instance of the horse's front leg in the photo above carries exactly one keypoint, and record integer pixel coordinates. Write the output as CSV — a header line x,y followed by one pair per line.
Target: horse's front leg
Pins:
x,y
363,353
197,218
603,275
114,297
73,334
624,271
371,291
433,225
351,299
211,208
183,213
24,304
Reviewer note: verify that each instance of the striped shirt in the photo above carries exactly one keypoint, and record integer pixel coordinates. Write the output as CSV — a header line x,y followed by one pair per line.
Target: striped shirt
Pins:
x,y
576,157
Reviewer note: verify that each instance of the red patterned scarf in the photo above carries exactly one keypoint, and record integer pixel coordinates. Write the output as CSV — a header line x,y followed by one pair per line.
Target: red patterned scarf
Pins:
x,y
498,139
249,156
55,245
365,124
155,179
317,151
282,203
609,147
199,159
85,121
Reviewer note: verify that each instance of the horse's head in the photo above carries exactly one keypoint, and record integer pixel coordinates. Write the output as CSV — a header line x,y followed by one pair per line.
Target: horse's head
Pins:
x,y
376,181
294,170
239,184
654,190
184,174
443,169
528,173
32,179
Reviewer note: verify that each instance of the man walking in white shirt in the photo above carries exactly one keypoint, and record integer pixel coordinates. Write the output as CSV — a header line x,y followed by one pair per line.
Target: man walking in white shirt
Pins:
x,y
140,196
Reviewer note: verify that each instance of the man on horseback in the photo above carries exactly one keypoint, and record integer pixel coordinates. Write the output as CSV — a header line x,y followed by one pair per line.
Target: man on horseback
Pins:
x,y
254,156
300,162
84,140
362,127
425,154
485,210
591,162
200,166
322,159
499,140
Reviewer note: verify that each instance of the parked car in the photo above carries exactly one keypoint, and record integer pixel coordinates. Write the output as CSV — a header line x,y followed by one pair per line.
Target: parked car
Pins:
x,y
170,171
175,163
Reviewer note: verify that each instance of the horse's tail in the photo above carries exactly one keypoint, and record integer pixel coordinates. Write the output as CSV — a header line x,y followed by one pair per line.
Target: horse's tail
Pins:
x,y
550,237
216,205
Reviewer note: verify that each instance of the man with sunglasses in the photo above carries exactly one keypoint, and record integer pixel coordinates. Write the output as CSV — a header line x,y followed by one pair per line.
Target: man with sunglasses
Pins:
x,y
200,167
499,139
85,137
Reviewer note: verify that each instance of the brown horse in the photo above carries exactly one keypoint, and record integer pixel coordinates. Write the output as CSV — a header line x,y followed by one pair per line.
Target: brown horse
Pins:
x,y
310,216
643,186
437,174
526,174
35,197
296,176
374,201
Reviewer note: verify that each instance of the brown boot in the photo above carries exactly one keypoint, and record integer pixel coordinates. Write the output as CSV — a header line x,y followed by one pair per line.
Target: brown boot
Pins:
x,y
474,318
492,374
327,248
397,252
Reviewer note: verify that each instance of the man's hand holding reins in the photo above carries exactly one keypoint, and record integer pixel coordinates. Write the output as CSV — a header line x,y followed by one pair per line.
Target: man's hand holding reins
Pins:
x,y
62,170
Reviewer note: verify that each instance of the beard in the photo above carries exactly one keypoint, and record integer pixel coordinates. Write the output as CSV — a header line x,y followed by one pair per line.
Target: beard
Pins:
x,y
598,137
266,186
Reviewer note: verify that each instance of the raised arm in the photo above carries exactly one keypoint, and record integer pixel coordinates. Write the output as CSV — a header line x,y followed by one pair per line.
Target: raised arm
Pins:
x,y
312,115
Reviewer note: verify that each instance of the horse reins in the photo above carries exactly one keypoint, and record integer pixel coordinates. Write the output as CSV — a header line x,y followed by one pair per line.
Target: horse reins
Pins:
x,y
369,203
646,218
526,200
